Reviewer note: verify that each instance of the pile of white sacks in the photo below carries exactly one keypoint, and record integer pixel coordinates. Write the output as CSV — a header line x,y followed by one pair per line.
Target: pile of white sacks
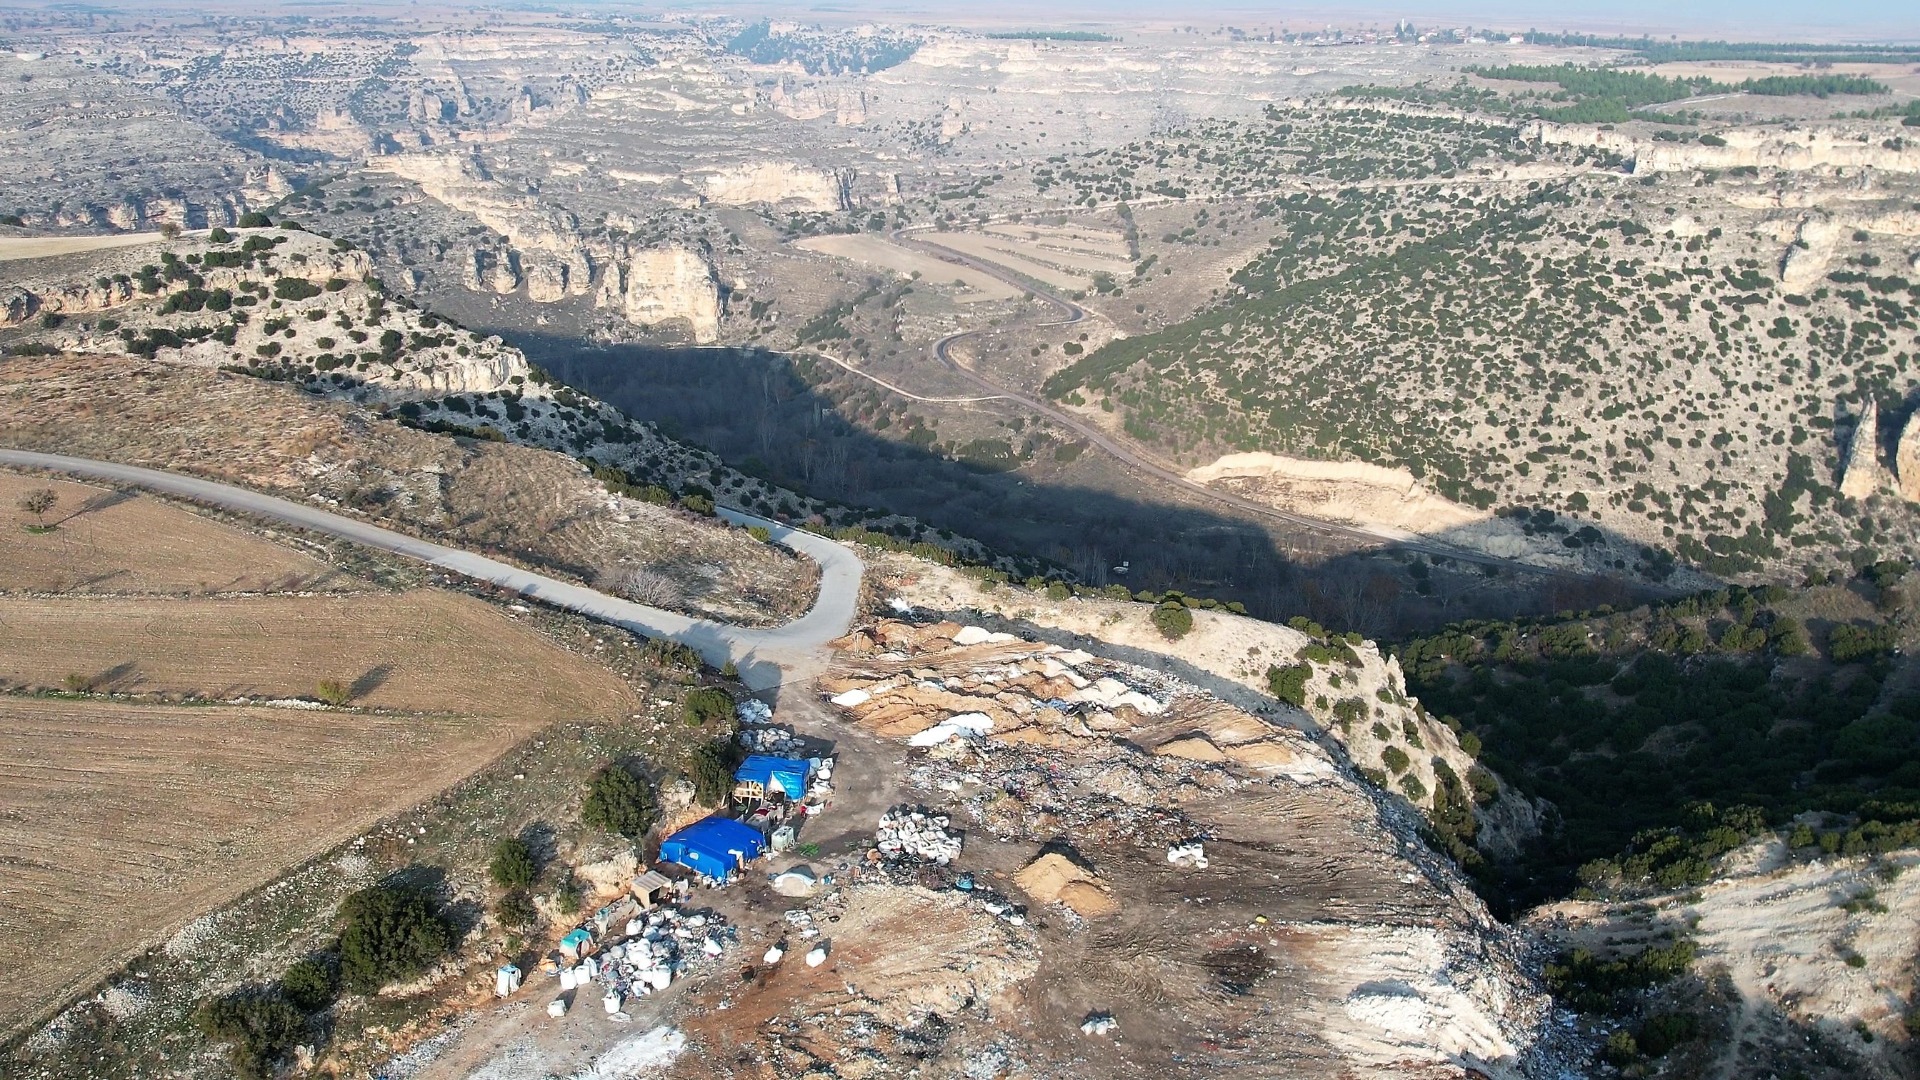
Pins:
x,y
915,834
657,947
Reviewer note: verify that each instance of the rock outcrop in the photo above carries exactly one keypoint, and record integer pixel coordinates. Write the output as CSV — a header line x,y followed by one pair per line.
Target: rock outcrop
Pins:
x,y
1860,476
779,183
1856,146
1906,460
547,249
660,285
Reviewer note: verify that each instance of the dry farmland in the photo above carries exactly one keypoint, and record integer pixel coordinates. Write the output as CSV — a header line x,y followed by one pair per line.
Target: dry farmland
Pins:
x,y
123,820
876,252
111,541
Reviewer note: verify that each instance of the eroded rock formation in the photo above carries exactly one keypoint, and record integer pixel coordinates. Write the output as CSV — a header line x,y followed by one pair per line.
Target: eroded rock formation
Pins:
x,y
1906,459
1860,476
1852,146
659,285
779,183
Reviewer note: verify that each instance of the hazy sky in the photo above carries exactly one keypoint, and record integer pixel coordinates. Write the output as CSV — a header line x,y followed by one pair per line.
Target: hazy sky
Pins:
x,y
1878,20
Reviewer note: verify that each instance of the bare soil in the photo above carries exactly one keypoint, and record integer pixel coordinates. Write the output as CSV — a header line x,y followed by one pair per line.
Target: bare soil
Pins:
x,y
124,821
107,541
533,507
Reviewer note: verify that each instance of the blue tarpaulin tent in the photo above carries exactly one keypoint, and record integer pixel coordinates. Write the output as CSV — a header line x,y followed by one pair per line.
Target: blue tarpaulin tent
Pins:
x,y
713,846
788,775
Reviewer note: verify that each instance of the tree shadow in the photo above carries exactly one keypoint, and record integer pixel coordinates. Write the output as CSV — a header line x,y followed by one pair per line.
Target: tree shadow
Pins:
x,y
753,409
93,505
372,679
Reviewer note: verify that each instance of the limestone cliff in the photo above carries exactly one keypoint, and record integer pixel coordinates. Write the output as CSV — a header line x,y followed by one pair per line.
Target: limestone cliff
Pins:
x,y
659,285
1906,459
1860,476
547,248
779,183
1857,145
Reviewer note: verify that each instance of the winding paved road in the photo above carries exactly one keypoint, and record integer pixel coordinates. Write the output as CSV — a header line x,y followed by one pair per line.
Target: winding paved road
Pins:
x,y
1140,462
766,658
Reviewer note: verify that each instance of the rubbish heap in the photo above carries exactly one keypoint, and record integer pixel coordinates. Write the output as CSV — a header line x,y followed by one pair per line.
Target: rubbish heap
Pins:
x,y
906,834
657,947
769,739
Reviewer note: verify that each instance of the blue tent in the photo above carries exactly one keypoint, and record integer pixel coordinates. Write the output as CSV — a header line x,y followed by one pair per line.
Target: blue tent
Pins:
x,y
713,846
775,774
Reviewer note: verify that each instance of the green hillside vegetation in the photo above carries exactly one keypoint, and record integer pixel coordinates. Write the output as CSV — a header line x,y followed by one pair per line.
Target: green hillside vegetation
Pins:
x,y
1666,52
1565,349
1668,735
1602,95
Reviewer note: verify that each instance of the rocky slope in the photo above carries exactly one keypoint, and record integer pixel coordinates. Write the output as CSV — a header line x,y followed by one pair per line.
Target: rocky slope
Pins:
x,y
1351,698
1382,964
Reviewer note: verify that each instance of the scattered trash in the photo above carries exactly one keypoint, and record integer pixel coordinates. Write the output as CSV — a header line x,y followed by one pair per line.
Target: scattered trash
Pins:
x,y
1192,854
557,1007
817,956
773,955
914,834
506,980
1099,1023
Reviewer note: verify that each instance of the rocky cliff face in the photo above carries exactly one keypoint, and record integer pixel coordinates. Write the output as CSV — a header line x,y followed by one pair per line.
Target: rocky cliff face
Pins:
x,y
1906,459
1860,476
779,183
846,104
1853,146
546,249
660,285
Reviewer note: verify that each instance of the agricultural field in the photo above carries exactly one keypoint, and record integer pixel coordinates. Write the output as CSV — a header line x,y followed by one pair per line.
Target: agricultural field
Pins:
x,y
142,791
1062,256
880,254
117,542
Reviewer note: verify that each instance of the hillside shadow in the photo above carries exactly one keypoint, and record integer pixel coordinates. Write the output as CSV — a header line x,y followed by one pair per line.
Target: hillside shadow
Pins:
x,y
751,408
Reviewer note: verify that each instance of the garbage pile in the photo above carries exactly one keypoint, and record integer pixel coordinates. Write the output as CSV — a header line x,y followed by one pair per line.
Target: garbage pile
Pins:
x,y
663,944
1191,855
914,834
779,741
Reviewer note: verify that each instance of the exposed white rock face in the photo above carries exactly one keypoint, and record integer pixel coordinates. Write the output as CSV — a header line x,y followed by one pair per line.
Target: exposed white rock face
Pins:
x,y
846,104
546,236
779,183
1906,459
1860,477
1854,146
1807,257
662,284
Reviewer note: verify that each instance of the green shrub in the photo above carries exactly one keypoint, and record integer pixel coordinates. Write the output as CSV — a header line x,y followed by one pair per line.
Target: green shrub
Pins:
x,y
515,909
619,802
333,692
760,533
512,864
310,984
254,219
392,932
293,288
708,704
1173,620
1289,683
1395,759
261,1026
710,767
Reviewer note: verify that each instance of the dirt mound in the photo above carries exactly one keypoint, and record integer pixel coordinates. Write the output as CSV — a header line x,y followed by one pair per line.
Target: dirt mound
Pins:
x,y
1055,879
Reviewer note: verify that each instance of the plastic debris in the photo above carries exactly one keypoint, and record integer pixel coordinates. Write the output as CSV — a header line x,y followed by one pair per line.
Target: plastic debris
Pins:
x,y
1098,1024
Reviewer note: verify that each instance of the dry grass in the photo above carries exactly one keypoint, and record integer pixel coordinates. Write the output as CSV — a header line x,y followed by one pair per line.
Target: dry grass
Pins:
x,y
424,650
124,821
42,247
533,507
109,541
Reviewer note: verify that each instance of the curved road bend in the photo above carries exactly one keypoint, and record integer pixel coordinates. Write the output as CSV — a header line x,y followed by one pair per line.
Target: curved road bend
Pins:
x,y
760,654
1133,459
